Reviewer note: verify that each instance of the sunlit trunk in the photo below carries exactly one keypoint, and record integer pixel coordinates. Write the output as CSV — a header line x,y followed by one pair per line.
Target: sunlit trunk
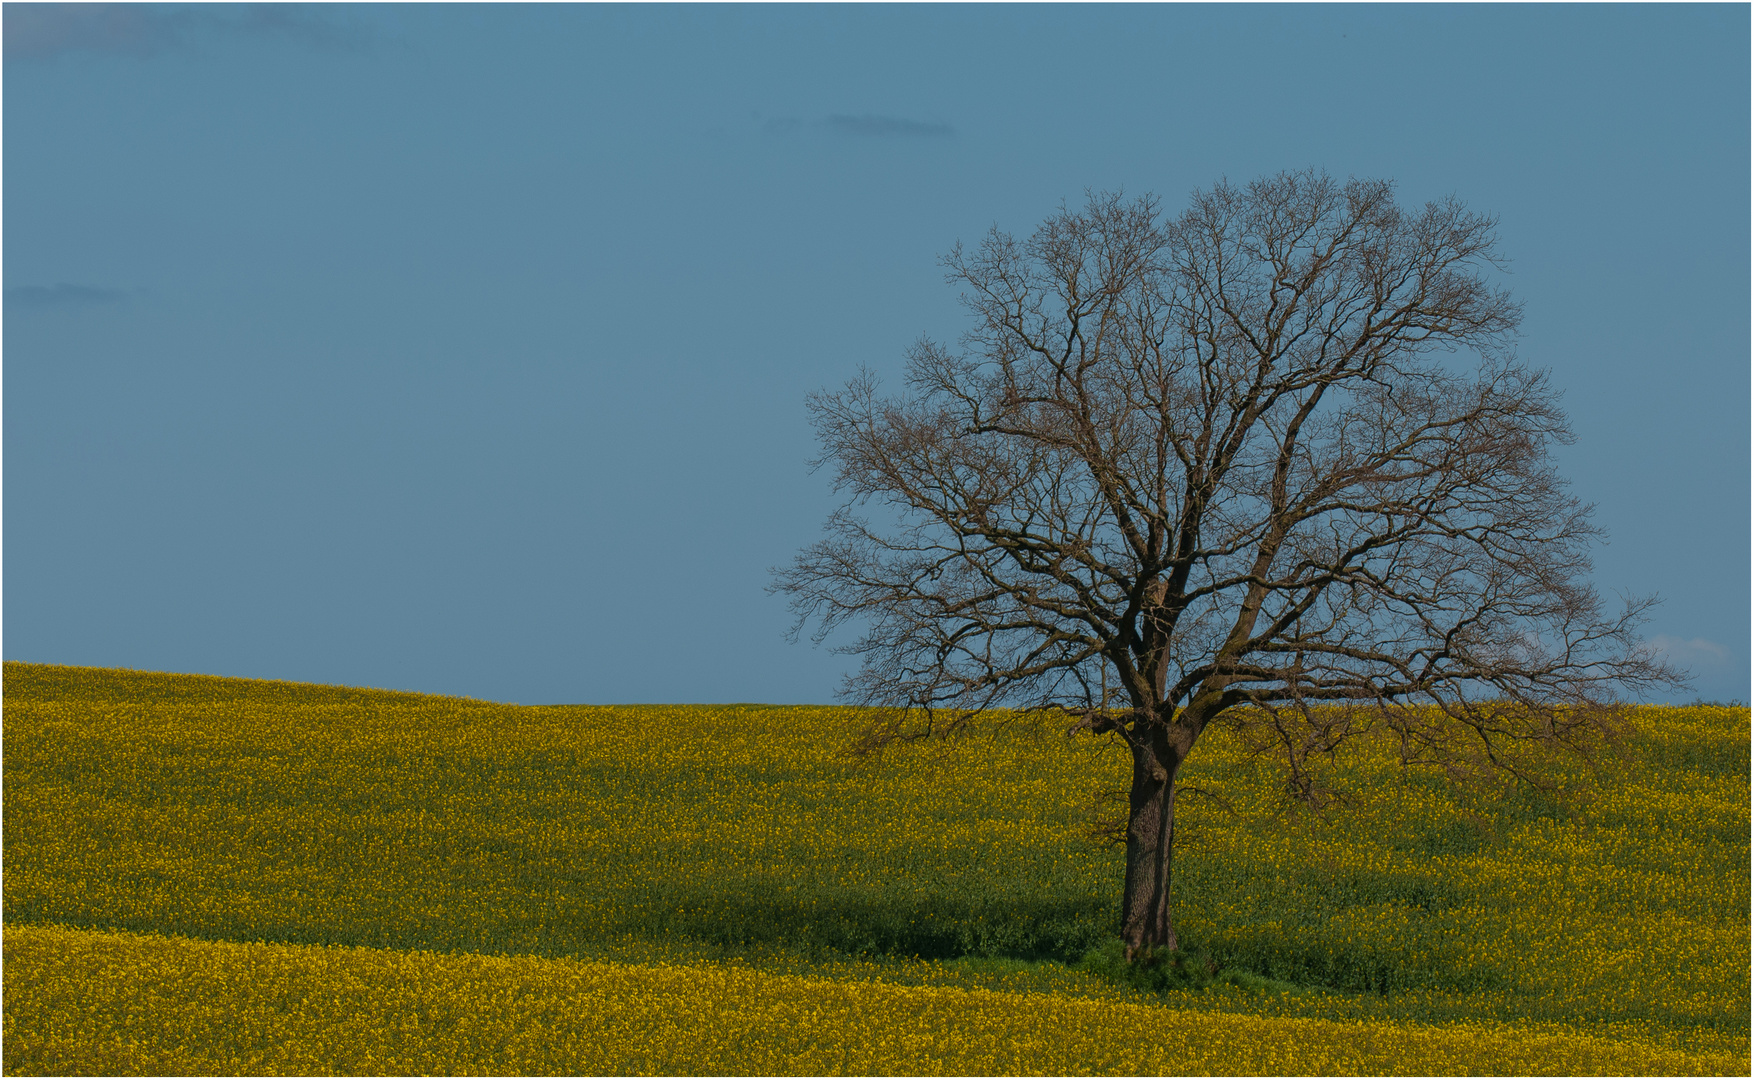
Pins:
x,y
1146,922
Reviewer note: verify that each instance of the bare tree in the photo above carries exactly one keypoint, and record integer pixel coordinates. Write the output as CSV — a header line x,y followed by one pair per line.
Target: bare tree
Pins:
x,y
1273,461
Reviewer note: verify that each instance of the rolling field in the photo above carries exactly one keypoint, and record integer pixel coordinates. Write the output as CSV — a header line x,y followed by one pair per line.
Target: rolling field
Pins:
x,y
223,875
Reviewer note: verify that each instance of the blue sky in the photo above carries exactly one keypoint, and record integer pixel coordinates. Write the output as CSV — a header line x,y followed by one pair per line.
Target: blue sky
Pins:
x,y
464,349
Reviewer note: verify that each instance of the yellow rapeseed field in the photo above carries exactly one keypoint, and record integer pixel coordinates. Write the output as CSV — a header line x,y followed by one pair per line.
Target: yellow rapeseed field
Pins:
x,y
154,1006
270,844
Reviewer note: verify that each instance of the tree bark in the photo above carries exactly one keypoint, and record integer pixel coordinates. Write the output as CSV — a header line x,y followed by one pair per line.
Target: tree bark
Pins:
x,y
1146,916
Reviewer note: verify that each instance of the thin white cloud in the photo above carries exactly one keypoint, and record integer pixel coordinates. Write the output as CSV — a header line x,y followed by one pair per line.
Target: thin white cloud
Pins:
x,y
862,126
1691,650
869,125
61,295
41,31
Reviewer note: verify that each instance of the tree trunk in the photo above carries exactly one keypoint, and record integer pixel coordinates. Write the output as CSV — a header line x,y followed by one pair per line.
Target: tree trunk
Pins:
x,y
1146,924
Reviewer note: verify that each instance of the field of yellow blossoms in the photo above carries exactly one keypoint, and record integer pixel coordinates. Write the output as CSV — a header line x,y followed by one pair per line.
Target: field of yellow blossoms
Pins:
x,y
207,875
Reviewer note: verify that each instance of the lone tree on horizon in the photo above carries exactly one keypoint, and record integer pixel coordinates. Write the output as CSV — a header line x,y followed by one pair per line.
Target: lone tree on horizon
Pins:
x,y
1272,461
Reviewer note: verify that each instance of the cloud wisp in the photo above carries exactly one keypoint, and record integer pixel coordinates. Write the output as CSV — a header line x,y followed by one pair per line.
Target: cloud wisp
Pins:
x,y
862,126
1691,650
43,31
872,126
61,296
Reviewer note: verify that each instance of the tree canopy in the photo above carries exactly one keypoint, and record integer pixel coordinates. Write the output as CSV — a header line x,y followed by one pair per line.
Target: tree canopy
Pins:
x,y
1274,459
